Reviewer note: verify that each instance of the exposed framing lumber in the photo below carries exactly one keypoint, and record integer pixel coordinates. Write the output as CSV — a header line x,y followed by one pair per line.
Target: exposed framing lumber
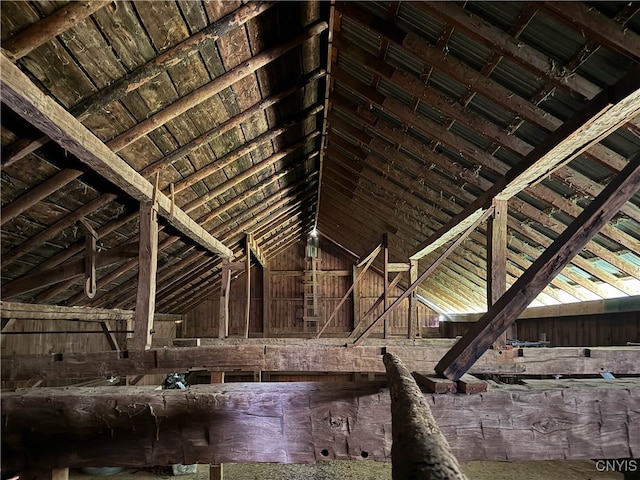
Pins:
x,y
505,311
147,267
70,270
497,259
30,311
422,277
311,355
34,195
367,263
111,338
307,422
50,27
212,88
419,449
247,274
412,317
28,101
601,115
223,318
378,302
255,249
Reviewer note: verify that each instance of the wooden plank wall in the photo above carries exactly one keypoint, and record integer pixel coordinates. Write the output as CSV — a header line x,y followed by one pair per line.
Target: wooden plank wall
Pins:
x,y
606,329
286,305
58,342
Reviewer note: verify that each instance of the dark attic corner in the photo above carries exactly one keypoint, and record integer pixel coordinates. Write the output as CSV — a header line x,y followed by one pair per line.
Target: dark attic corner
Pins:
x,y
320,239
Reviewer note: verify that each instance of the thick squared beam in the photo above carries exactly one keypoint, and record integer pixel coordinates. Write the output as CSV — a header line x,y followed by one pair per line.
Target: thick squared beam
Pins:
x,y
510,305
22,96
147,267
308,422
322,355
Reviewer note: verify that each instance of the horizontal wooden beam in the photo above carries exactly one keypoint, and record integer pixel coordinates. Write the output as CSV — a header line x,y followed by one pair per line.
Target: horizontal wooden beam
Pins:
x,y
28,101
27,311
309,422
315,356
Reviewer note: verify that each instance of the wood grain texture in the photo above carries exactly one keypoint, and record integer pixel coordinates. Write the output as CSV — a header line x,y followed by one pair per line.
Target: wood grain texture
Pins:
x,y
308,422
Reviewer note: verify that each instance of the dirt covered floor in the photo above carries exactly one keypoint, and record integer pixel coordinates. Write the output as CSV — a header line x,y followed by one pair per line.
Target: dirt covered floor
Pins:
x,y
363,470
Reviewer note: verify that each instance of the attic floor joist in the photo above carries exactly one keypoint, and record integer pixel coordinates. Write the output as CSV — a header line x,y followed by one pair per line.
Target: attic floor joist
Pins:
x,y
309,422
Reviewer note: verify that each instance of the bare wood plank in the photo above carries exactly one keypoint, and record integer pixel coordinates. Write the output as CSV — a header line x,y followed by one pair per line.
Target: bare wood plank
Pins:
x,y
378,301
479,338
215,86
45,474
370,259
147,266
28,101
421,278
266,301
50,27
303,419
385,281
393,267
419,449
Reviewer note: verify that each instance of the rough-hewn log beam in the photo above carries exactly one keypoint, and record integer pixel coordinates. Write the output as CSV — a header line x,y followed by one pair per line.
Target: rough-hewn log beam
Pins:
x,y
50,27
307,422
325,355
419,448
505,311
29,102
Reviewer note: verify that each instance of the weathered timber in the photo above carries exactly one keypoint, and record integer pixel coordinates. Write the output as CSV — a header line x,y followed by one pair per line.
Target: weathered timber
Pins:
x,y
147,267
505,311
86,314
212,88
310,356
367,263
419,449
435,384
34,195
69,270
423,276
167,59
26,99
470,384
307,422
600,116
497,254
48,28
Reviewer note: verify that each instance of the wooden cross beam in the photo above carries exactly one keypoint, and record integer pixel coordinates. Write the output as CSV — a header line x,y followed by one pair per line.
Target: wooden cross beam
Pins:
x,y
422,277
26,99
602,115
505,311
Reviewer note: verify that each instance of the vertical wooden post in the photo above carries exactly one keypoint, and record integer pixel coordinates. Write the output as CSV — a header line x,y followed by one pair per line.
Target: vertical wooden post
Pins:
x,y
419,449
497,261
247,271
216,472
385,243
356,299
266,301
147,265
413,301
225,285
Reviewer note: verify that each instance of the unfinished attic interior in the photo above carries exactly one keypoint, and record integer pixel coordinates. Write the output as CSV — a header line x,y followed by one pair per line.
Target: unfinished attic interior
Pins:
x,y
278,195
